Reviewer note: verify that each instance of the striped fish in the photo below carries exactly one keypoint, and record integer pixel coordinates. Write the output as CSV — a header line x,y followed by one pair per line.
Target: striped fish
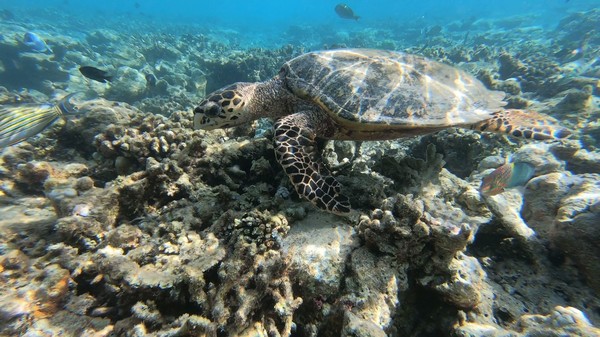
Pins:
x,y
19,122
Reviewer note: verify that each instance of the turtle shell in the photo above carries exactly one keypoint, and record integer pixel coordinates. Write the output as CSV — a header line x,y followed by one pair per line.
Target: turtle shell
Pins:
x,y
364,86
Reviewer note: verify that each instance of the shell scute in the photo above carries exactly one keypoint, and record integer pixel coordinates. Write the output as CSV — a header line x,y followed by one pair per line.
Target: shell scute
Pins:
x,y
385,87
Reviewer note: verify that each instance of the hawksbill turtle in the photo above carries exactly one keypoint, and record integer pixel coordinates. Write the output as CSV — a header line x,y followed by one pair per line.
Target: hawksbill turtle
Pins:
x,y
362,94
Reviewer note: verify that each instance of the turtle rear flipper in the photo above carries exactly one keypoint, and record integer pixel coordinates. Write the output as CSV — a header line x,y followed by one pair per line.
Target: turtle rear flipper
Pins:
x,y
523,124
296,151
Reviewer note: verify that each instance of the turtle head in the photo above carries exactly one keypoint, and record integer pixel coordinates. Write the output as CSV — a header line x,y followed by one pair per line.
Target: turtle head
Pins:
x,y
225,107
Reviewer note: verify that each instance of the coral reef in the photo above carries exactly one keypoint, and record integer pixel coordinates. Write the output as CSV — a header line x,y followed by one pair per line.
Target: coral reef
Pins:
x,y
123,220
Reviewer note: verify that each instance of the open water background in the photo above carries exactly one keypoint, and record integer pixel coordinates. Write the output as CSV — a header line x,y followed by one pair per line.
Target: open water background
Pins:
x,y
270,18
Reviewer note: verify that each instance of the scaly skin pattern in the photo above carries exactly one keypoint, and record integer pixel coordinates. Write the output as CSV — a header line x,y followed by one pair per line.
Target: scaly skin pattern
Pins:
x,y
296,151
523,124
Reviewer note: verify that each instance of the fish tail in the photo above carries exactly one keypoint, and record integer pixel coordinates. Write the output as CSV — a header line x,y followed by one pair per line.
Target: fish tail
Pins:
x,y
523,124
65,106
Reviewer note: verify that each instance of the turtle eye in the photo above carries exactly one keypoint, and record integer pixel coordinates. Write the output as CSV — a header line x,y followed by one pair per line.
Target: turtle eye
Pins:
x,y
213,110
208,108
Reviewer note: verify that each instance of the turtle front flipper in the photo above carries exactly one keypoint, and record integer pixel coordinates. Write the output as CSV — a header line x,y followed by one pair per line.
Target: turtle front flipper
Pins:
x,y
523,124
296,151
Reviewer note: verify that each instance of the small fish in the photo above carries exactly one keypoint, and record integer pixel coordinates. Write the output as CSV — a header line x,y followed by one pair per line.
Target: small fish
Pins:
x,y
19,122
34,42
95,74
151,80
511,174
345,12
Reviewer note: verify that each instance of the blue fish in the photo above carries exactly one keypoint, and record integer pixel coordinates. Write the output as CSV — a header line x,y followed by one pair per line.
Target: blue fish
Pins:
x,y
33,41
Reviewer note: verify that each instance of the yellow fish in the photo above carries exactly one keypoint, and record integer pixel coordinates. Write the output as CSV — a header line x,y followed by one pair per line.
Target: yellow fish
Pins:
x,y
19,122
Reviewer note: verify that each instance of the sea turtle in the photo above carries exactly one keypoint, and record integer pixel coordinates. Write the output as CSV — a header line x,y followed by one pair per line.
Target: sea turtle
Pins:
x,y
362,94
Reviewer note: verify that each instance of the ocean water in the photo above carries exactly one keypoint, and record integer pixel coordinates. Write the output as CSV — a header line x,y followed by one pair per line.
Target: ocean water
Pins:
x,y
122,213
258,15
265,22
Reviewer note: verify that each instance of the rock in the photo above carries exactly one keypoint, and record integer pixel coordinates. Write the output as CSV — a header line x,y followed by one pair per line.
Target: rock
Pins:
x,y
510,85
13,306
576,100
506,207
51,291
103,37
256,330
357,327
317,252
541,197
84,184
467,284
576,229
491,162
128,85
584,161
540,156
376,281
15,261
562,322
37,213
124,236
34,173
565,209
123,165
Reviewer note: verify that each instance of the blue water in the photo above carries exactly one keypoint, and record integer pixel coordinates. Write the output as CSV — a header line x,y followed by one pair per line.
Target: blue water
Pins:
x,y
273,17
272,11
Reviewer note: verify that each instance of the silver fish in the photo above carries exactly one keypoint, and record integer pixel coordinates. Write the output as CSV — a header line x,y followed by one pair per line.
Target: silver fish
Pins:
x,y
19,122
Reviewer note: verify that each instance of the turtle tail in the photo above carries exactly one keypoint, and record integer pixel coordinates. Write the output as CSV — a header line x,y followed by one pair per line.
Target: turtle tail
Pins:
x,y
523,124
